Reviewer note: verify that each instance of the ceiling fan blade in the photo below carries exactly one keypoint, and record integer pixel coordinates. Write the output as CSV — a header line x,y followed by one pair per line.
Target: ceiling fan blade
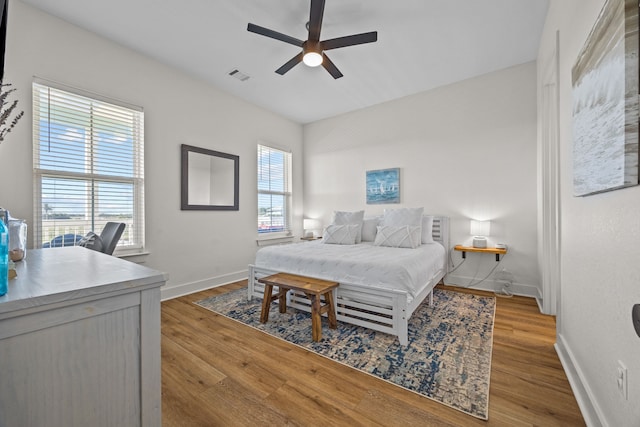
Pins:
x,y
349,40
315,19
330,67
274,35
290,64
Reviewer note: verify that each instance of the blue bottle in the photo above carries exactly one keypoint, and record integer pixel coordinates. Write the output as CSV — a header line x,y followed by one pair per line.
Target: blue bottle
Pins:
x,y
4,258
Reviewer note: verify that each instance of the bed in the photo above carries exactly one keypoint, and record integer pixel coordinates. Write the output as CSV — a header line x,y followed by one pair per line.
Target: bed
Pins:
x,y
380,287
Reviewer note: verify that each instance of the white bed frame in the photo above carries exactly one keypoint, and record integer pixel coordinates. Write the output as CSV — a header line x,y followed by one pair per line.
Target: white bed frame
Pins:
x,y
380,309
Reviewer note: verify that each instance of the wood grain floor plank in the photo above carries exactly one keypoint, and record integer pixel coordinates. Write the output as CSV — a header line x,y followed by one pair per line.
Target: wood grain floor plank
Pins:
x,y
309,408
255,410
181,365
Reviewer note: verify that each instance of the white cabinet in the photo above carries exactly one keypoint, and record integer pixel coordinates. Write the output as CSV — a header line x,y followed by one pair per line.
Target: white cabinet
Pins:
x,y
80,342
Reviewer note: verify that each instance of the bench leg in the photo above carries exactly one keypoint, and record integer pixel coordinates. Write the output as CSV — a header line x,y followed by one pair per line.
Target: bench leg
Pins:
x,y
266,303
282,299
331,312
316,320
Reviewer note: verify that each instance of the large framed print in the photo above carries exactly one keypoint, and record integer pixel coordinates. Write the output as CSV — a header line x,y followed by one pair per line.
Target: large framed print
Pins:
x,y
605,102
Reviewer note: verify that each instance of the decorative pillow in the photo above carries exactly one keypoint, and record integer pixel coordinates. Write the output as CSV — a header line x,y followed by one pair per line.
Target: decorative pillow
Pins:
x,y
427,229
403,216
340,234
398,237
348,218
411,217
91,241
369,229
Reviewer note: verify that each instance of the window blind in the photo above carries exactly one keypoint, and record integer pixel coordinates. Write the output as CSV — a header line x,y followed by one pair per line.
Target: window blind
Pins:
x,y
88,166
274,191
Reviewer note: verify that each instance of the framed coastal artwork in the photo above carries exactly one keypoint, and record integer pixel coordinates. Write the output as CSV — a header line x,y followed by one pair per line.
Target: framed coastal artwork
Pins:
x,y
383,186
605,102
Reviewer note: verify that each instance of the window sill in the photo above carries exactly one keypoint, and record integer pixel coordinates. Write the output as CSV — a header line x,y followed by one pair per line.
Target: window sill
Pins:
x,y
138,256
274,240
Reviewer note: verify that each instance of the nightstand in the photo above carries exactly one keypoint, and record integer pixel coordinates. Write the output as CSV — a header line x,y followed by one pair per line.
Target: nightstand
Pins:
x,y
465,249
308,239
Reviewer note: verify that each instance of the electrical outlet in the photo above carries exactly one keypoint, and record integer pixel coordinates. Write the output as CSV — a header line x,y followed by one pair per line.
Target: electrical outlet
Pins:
x,y
621,378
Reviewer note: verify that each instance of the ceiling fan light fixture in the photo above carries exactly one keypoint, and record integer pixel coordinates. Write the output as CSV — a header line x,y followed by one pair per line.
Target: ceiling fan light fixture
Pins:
x,y
312,59
313,48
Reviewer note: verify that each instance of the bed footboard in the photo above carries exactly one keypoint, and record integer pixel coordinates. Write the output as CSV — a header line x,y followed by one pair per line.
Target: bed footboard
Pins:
x,y
379,309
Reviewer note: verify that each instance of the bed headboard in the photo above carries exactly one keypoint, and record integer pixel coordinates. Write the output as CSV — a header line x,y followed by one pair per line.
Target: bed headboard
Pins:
x,y
441,230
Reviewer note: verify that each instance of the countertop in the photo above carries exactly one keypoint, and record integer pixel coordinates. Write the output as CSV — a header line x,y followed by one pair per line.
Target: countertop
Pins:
x,y
52,275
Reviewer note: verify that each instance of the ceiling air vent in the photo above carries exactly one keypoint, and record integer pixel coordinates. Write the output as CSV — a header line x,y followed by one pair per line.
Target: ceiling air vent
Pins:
x,y
239,75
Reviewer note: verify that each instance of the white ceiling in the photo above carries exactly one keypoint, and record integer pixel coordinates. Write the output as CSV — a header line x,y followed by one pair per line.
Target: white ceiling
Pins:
x,y
422,44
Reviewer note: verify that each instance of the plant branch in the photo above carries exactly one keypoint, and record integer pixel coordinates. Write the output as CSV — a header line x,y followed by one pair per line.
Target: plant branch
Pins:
x,y
6,112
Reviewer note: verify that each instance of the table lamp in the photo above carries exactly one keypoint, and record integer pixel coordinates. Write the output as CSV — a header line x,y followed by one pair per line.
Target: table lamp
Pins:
x,y
479,231
309,226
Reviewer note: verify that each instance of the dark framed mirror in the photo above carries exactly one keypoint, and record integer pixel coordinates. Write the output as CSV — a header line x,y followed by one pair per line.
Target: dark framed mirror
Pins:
x,y
210,180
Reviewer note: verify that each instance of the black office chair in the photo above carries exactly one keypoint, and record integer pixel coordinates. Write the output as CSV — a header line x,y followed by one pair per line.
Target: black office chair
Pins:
x,y
111,235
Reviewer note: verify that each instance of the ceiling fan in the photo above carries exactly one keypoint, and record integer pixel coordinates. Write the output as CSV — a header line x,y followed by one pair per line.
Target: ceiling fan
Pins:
x,y
313,49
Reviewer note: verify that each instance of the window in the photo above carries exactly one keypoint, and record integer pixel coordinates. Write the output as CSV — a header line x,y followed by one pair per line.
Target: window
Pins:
x,y
87,166
274,191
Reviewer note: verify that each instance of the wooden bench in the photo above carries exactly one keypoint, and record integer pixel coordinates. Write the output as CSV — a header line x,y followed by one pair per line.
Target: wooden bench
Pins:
x,y
312,288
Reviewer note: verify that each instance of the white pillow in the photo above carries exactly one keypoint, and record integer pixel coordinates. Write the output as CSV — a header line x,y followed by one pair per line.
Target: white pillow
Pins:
x,y
403,216
427,229
348,218
369,229
411,217
340,234
397,237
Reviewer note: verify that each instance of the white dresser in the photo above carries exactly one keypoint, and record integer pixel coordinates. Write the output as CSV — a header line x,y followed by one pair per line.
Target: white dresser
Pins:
x,y
80,342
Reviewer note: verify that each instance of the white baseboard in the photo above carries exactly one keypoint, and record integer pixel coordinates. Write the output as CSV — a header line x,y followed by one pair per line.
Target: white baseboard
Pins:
x,y
539,301
167,293
490,285
591,412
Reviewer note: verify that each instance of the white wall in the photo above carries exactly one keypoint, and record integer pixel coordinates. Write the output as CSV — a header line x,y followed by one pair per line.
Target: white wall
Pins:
x,y
465,150
197,249
600,275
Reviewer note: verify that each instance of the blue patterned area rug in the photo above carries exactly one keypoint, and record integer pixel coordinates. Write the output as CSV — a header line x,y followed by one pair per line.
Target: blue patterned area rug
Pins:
x,y
448,358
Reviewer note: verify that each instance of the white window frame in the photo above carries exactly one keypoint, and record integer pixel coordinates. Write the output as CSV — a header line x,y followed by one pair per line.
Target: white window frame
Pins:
x,y
135,244
287,193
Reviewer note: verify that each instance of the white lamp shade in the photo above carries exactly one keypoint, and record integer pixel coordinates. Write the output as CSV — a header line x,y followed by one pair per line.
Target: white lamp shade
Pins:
x,y
310,224
480,228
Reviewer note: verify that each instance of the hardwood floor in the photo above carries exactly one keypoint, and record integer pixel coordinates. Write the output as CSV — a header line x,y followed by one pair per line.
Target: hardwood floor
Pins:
x,y
217,372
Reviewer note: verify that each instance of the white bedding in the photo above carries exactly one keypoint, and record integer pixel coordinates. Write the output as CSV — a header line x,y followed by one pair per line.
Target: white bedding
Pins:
x,y
361,264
